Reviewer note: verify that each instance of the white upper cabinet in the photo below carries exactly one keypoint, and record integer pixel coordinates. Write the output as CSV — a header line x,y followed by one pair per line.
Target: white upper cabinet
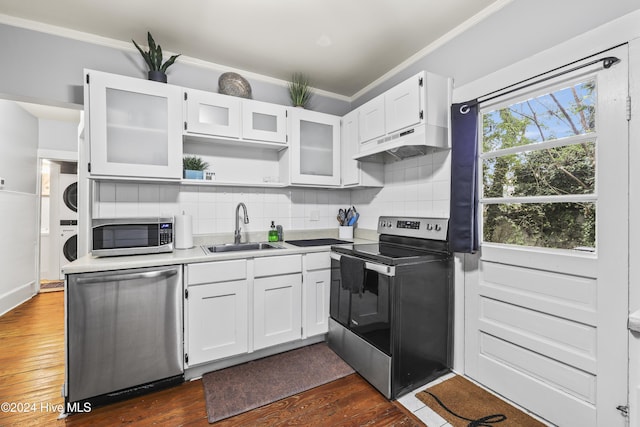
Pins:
x,y
349,145
415,119
398,108
314,148
353,172
213,114
371,119
263,121
402,105
134,127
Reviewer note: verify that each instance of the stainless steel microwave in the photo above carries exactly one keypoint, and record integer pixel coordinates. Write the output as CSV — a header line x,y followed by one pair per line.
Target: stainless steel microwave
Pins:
x,y
131,236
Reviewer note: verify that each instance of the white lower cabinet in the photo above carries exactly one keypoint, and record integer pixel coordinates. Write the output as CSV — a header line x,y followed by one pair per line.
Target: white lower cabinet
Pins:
x,y
315,293
277,300
216,310
240,306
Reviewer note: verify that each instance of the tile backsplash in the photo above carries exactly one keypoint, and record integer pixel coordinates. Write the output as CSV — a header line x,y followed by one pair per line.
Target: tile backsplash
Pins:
x,y
419,186
213,208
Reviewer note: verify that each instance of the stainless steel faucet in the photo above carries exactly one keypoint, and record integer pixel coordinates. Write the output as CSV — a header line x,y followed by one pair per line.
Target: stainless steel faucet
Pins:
x,y
236,233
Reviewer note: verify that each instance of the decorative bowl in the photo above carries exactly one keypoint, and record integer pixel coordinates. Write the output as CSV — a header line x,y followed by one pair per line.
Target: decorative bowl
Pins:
x,y
234,84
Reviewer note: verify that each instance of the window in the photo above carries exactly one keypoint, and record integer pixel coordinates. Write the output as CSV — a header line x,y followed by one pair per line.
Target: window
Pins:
x,y
538,170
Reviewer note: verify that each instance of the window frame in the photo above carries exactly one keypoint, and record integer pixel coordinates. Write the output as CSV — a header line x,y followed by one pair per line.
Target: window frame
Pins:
x,y
532,92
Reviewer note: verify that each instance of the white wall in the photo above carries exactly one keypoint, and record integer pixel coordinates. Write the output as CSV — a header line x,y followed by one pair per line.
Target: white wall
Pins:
x,y
515,32
58,135
66,58
18,204
18,148
634,231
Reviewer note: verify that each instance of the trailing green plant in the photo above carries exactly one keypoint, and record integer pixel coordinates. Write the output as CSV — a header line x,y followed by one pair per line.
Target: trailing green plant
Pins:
x,y
300,90
194,163
153,57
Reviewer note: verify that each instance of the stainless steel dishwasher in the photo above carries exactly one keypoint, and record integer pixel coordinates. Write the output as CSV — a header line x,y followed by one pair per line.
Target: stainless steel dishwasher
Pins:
x,y
124,333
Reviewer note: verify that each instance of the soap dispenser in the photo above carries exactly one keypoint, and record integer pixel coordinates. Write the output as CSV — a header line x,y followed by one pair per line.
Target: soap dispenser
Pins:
x,y
273,233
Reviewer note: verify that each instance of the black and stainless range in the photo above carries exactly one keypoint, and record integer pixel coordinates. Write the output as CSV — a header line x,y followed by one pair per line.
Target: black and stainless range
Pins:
x,y
391,304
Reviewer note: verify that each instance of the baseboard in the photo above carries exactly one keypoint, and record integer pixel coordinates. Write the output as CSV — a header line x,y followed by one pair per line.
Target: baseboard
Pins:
x,y
17,296
198,371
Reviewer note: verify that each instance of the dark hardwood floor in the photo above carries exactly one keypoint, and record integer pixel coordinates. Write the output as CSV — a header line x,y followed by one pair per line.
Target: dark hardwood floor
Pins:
x,y
32,374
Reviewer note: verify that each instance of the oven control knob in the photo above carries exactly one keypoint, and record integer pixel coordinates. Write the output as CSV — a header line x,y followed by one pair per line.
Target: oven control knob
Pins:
x,y
438,228
429,227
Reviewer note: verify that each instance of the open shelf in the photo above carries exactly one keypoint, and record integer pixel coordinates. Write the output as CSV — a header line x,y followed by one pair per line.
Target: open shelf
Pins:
x,y
203,182
218,140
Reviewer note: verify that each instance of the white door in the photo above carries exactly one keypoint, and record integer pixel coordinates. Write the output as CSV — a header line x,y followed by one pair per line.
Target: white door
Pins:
x,y
371,119
217,321
314,148
547,301
263,121
349,147
316,300
277,310
402,104
216,310
214,114
134,127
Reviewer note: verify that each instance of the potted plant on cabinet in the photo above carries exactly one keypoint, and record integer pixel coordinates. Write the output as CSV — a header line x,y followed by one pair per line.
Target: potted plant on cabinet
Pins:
x,y
153,58
194,167
300,90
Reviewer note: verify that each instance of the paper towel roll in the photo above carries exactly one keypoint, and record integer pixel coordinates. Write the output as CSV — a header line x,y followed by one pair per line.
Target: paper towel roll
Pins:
x,y
183,232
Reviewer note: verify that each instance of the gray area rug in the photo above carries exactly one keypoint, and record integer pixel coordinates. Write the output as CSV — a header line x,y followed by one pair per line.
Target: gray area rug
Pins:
x,y
232,391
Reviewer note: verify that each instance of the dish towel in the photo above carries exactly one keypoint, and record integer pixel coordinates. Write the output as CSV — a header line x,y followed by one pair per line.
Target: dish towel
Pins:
x,y
352,274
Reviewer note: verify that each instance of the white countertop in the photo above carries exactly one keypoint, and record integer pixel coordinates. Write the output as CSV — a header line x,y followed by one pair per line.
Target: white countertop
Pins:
x,y
88,263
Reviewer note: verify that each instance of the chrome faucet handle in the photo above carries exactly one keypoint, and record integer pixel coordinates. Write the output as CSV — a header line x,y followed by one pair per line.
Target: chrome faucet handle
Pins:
x,y
237,235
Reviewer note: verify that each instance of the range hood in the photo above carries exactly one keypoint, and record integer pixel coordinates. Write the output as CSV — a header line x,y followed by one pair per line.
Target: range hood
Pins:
x,y
416,141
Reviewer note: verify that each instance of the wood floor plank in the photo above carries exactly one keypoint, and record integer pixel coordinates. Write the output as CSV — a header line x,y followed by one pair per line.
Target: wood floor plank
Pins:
x,y
32,371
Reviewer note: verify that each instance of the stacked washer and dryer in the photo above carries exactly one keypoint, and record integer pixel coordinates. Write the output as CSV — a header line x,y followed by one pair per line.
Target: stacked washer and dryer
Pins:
x,y
68,219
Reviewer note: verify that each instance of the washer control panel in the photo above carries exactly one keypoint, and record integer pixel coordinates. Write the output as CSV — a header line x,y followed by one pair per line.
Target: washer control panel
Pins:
x,y
425,228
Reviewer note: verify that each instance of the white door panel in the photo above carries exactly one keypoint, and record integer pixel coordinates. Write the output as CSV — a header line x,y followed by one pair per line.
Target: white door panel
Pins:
x,y
547,328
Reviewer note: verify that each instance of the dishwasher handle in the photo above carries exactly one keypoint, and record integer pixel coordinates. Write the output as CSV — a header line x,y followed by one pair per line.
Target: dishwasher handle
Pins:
x,y
151,274
385,270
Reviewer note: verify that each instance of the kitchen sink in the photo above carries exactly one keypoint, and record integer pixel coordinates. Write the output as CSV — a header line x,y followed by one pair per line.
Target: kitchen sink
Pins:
x,y
229,247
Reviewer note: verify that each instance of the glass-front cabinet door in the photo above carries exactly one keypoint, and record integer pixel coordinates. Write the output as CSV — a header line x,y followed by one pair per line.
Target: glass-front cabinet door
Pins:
x,y
134,127
314,148
212,114
263,121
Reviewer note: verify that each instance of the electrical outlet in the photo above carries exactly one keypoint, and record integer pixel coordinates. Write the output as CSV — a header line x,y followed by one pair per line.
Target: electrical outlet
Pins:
x,y
1,183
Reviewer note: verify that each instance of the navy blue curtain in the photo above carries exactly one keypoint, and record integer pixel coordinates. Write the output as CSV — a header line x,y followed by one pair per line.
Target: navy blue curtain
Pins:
x,y
463,222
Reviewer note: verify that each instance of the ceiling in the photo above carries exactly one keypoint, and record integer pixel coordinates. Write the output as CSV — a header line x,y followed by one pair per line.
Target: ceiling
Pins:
x,y
343,46
51,113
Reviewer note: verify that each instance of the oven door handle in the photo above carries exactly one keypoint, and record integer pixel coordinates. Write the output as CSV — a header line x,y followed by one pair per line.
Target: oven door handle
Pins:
x,y
385,270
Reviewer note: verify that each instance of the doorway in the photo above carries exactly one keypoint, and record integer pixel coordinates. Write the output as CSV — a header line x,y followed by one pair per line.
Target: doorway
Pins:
x,y
56,168
58,221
